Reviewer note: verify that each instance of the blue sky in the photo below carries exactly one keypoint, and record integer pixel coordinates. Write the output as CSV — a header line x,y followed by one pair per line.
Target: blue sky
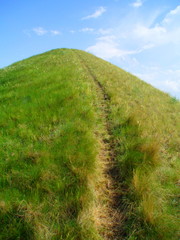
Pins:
x,y
140,36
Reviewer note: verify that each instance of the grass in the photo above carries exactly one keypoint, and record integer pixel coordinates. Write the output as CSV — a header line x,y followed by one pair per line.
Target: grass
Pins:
x,y
51,123
145,132
48,149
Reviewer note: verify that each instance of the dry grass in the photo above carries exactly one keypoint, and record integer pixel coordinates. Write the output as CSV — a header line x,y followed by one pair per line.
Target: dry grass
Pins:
x,y
73,161
145,128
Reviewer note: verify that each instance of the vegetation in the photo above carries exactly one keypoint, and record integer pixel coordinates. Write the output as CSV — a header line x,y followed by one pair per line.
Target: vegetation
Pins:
x,y
145,131
51,129
48,149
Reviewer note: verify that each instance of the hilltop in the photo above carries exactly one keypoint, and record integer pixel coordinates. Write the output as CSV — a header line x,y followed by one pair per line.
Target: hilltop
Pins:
x,y
88,151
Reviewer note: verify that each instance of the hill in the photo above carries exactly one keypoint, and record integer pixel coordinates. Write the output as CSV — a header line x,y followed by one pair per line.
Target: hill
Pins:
x,y
88,151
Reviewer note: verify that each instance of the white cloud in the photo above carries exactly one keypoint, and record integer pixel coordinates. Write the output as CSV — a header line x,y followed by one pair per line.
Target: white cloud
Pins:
x,y
145,32
165,32
166,80
143,38
96,14
175,11
171,15
159,41
137,4
104,31
72,31
106,47
87,29
148,46
55,32
173,85
40,31
153,36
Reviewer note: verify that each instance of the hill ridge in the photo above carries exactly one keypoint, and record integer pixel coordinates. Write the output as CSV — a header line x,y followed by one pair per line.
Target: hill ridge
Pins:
x,y
82,141
111,216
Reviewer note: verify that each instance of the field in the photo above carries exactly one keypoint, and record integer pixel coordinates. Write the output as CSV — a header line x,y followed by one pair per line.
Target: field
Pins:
x,y
88,152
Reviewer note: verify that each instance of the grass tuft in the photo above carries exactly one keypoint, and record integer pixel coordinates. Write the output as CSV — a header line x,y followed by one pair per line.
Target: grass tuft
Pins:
x,y
51,122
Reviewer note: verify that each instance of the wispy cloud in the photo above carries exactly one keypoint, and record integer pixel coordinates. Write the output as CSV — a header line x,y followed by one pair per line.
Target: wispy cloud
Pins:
x,y
175,11
72,31
165,32
107,47
137,4
96,14
40,31
154,35
164,79
103,31
55,32
145,37
170,16
87,29
173,85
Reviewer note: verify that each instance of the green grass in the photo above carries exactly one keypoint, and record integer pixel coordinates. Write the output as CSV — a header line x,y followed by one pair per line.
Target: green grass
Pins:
x,y
50,129
48,149
145,131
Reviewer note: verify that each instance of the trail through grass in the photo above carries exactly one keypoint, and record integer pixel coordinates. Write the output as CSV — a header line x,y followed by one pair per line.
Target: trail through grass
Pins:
x,y
145,131
109,216
48,149
65,116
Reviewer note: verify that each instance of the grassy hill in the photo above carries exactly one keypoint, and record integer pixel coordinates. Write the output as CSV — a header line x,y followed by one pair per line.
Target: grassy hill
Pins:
x,y
87,152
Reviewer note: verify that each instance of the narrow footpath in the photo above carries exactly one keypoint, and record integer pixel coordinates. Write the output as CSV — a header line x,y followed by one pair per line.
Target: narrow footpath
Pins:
x,y
109,217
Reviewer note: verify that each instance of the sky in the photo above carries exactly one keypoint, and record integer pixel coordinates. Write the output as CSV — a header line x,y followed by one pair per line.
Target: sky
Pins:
x,y
140,36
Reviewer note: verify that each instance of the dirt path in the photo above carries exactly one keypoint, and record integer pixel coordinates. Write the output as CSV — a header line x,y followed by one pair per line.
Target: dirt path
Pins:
x,y
108,215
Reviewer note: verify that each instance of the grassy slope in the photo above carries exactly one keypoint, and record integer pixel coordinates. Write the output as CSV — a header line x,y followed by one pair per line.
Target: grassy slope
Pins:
x,y
145,130
48,117
48,149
